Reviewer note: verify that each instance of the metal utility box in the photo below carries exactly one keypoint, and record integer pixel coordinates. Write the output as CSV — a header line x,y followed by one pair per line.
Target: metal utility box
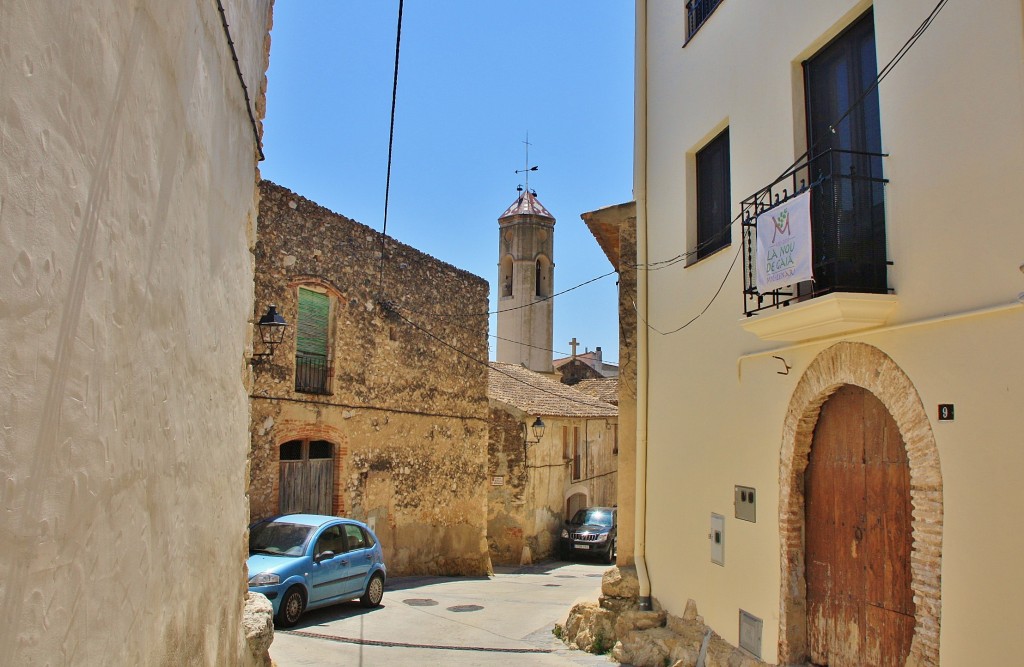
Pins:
x,y
746,504
717,537
750,633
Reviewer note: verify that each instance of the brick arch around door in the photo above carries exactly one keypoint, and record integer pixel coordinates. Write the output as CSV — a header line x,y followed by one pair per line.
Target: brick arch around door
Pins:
x,y
866,367
310,475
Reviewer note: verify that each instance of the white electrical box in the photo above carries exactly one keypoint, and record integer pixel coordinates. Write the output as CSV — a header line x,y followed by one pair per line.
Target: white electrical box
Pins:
x,y
717,537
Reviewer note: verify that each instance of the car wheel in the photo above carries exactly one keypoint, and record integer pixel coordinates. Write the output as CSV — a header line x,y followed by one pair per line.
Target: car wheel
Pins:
x,y
374,591
610,556
292,604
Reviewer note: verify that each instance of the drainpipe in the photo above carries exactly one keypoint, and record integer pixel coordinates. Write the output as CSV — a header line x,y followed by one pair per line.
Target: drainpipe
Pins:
x,y
642,363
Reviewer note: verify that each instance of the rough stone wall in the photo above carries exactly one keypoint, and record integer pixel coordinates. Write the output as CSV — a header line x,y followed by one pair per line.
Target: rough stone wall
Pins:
x,y
407,414
506,501
127,206
627,389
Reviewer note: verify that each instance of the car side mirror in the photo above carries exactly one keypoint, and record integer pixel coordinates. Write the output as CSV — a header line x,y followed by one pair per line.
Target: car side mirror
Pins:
x,y
323,555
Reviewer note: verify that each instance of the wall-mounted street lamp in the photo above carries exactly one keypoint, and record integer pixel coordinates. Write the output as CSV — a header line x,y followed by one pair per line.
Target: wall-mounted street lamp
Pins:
x,y
271,327
538,432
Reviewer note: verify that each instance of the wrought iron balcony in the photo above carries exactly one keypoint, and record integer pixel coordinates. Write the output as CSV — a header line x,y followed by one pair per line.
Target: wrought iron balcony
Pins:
x,y
698,11
312,374
847,228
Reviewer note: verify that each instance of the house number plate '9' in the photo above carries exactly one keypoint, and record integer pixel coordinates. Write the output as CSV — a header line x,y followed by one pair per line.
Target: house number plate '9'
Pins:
x,y
945,412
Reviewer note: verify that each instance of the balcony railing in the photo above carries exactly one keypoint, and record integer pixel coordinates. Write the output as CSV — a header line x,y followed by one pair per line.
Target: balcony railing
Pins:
x,y
698,11
847,227
312,374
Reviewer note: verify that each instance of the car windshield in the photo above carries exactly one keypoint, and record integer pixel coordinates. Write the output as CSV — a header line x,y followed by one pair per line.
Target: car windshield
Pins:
x,y
594,517
279,539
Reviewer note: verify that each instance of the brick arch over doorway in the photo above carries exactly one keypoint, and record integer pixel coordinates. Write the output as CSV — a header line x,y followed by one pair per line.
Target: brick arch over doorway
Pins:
x,y
867,367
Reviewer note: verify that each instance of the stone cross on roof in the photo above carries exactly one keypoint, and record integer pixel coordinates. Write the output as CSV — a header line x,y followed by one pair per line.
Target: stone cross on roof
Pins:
x,y
573,343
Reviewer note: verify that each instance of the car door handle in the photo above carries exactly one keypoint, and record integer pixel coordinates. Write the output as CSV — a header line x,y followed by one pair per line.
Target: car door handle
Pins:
x,y
344,562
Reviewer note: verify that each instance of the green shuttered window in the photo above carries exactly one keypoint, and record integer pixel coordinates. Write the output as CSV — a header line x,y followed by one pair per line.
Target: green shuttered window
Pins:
x,y
314,310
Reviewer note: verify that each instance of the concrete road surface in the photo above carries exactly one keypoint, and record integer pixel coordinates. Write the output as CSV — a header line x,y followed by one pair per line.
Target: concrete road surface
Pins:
x,y
505,620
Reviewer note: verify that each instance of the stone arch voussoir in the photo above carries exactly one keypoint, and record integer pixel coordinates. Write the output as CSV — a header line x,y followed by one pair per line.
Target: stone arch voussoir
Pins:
x,y
867,367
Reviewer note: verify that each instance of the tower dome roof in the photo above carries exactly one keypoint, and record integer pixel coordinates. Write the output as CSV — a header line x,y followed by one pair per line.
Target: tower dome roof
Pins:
x,y
526,204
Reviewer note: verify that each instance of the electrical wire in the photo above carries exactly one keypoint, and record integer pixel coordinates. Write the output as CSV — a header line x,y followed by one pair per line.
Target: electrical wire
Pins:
x,y
388,307
391,142
883,73
241,80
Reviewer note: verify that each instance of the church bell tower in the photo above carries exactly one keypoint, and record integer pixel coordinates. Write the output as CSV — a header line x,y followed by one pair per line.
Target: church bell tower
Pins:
x,y
526,272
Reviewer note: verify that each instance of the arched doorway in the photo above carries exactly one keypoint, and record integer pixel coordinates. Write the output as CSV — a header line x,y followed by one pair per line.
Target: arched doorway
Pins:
x,y
857,513
574,502
307,477
870,369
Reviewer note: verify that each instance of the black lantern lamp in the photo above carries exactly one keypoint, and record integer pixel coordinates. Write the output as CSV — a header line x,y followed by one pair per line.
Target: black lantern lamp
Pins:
x,y
537,427
271,327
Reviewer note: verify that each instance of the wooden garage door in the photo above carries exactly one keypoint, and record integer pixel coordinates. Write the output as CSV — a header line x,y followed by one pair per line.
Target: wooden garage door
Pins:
x,y
307,477
860,608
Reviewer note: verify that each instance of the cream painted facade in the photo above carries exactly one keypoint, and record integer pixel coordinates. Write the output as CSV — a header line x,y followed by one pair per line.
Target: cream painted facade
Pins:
x,y
127,214
716,409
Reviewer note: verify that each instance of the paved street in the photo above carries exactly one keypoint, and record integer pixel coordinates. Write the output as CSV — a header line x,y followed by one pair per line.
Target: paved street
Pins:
x,y
505,620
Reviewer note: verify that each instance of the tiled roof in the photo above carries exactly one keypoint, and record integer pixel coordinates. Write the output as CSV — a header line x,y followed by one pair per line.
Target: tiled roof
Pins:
x,y
526,204
606,389
539,395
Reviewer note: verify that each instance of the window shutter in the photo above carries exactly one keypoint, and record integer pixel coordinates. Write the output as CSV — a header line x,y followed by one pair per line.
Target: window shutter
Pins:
x,y
314,309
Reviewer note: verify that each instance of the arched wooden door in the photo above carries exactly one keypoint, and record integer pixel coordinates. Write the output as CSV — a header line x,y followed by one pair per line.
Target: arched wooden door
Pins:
x,y
860,607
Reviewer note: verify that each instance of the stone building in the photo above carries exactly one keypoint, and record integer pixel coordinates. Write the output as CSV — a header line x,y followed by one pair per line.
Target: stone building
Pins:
x,y
585,365
127,212
536,483
362,410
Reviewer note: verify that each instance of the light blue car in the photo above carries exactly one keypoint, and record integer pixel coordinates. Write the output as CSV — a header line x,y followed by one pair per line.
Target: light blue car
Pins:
x,y
305,561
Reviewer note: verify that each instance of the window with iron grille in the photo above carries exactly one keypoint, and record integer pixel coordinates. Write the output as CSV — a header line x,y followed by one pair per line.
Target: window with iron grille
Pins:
x,y
312,370
713,196
842,169
698,11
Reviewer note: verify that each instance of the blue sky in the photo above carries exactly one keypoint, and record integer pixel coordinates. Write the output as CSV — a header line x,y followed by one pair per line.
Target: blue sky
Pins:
x,y
475,77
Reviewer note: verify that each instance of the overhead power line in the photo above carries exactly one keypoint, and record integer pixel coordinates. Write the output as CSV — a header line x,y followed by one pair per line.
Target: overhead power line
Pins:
x,y
883,73
393,310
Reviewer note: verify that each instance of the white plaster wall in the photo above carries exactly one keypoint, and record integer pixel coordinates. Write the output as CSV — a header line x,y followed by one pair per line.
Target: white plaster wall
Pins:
x,y
953,122
127,190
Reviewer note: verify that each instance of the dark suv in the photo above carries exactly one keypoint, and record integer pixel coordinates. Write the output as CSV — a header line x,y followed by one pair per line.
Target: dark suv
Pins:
x,y
592,531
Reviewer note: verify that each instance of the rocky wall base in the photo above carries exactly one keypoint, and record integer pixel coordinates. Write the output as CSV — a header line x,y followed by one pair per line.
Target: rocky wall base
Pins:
x,y
655,638
258,624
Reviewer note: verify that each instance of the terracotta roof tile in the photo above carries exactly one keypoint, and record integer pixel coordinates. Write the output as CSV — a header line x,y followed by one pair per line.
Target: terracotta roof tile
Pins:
x,y
527,204
606,389
537,394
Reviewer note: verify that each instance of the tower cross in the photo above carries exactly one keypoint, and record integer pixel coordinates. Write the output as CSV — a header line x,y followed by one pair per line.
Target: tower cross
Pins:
x,y
526,165
573,343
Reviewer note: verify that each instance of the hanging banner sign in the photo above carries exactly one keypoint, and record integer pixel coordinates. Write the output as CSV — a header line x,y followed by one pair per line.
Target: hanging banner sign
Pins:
x,y
784,244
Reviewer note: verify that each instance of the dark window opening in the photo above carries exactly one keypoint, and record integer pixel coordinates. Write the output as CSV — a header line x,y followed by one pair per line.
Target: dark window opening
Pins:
x,y
848,210
713,196
291,451
320,449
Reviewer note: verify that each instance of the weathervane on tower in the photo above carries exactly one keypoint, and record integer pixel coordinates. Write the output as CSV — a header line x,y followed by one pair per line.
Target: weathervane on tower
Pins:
x,y
527,166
